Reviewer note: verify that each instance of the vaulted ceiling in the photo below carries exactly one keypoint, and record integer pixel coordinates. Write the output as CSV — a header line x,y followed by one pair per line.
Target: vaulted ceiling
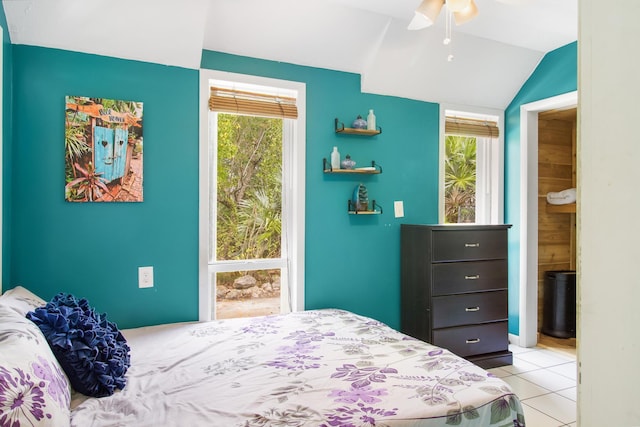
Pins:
x,y
493,55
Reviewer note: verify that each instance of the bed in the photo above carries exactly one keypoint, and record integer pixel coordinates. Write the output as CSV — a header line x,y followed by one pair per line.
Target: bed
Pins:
x,y
313,368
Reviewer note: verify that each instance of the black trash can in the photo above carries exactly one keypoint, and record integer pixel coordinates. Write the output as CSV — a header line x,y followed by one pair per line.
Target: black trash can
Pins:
x,y
559,311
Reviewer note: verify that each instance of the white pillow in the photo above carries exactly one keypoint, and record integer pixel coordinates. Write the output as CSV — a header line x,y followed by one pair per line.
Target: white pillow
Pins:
x,y
21,300
34,390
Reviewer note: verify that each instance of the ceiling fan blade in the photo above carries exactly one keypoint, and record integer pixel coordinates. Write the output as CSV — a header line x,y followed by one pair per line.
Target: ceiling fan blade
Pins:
x,y
467,14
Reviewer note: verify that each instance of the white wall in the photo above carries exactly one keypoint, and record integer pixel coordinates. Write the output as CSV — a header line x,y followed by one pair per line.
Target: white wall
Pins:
x,y
609,210
1,146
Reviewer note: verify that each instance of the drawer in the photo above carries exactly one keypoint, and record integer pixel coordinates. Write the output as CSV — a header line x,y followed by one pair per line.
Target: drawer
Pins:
x,y
470,276
461,245
472,340
468,309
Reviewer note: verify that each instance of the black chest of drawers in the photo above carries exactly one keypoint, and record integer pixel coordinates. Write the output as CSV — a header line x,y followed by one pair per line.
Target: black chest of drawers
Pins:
x,y
454,289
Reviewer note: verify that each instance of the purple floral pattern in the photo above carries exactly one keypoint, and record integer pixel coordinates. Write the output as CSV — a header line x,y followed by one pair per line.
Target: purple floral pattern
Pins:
x,y
298,348
21,398
362,377
306,337
296,362
366,394
57,384
327,368
297,357
33,389
267,325
360,415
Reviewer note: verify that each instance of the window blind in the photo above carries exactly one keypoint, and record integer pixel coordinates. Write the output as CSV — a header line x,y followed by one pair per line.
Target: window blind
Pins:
x,y
471,127
225,100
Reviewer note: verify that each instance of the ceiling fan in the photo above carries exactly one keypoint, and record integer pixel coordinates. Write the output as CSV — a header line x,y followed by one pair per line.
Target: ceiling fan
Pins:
x,y
428,11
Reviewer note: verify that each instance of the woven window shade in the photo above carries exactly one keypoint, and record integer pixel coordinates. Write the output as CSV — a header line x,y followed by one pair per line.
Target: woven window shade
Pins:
x,y
471,127
251,103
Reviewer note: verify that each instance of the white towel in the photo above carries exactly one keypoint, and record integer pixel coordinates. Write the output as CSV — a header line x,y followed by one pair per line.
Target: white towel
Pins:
x,y
563,197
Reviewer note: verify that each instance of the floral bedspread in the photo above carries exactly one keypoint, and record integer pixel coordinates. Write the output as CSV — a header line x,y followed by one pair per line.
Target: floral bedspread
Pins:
x,y
314,368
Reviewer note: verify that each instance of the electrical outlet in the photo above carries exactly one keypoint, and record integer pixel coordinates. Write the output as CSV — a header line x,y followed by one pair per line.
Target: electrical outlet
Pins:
x,y
145,277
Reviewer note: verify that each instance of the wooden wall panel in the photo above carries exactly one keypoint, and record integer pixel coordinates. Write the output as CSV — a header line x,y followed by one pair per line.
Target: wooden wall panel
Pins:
x,y
554,154
555,170
548,184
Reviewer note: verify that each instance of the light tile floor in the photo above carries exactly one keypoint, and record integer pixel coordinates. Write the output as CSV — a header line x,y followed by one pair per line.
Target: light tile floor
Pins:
x,y
545,382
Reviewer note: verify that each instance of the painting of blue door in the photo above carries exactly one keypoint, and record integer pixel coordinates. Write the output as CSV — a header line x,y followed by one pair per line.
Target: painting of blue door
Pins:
x,y
103,138
110,152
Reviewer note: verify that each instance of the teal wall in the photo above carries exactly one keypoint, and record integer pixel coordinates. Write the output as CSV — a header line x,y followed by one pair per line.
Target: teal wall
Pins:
x,y
353,262
7,73
91,249
556,74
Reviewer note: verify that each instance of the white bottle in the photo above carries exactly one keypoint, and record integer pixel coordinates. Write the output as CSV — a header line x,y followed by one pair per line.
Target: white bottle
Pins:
x,y
371,121
335,158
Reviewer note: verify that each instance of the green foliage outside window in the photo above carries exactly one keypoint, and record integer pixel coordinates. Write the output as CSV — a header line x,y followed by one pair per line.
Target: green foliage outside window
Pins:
x,y
249,208
460,179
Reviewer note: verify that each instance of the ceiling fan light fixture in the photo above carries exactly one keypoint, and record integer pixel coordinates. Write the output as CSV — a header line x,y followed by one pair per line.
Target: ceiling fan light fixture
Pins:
x,y
460,11
457,5
419,22
430,9
467,14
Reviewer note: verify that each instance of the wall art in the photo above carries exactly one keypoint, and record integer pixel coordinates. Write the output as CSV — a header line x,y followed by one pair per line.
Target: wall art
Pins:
x,y
103,150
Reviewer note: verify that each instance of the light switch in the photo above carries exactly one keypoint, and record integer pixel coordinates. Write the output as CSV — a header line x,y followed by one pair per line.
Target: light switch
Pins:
x,y
145,277
398,209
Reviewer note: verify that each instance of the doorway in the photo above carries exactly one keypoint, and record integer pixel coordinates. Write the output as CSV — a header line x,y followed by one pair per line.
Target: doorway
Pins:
x,y
557,130
529,188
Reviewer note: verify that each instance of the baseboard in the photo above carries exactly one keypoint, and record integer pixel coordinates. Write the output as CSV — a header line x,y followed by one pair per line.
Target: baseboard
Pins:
x,y
514,339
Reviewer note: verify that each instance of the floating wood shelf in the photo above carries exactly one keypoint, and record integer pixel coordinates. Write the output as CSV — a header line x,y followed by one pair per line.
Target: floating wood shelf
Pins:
x,y
364,212
568,208
371,170
352,131
377,209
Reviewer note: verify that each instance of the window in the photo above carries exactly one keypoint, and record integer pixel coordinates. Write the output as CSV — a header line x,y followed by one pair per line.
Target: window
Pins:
x,y
471,183
251,215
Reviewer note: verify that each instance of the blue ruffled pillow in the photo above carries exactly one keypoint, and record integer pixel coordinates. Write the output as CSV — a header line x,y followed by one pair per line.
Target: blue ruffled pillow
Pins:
x,y
90,349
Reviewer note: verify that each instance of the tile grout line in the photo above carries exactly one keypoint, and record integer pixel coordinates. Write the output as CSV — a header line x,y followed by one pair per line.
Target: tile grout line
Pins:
x,y
562,423
549,360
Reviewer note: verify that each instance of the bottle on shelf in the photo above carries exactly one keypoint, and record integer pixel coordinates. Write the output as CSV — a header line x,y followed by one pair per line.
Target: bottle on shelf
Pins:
x,y
371,121
347,163
335,158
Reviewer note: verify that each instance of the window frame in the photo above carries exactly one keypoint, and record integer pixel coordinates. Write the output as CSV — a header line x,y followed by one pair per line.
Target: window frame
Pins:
x,y
494,210
293,189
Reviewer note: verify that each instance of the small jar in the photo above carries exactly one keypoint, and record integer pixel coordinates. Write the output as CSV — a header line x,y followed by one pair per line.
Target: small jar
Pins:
x,y
359,123
347,163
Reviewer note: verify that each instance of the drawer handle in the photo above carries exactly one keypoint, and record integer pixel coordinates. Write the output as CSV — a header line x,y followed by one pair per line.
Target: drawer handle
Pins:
x,y
472,245
472,309
474,277
473,341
